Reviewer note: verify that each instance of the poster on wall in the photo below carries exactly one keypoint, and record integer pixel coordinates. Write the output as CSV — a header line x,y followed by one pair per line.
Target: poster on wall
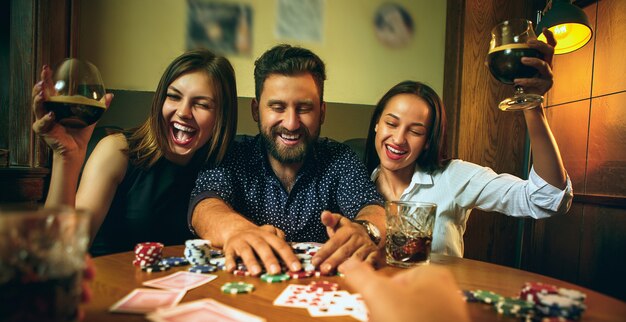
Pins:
x,y
393,25
225,28
300,20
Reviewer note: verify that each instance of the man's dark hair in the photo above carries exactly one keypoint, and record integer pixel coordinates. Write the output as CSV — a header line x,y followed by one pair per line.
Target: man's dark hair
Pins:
x,y
289,61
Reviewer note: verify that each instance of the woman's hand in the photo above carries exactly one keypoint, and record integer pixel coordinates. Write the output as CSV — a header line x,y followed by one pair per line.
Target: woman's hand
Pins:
x,y
541,83
67,142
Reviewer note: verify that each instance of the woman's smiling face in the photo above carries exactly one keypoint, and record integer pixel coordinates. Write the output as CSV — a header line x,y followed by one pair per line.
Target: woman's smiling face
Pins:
x,y
402,132
189,111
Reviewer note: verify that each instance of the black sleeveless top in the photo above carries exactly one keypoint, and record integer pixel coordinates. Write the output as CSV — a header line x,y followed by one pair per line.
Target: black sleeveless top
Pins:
x,y
149,205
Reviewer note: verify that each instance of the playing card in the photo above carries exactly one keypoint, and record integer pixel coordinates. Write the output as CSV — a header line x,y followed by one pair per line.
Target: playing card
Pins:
x,y
180,281
206,310
341,303
301,296
143,300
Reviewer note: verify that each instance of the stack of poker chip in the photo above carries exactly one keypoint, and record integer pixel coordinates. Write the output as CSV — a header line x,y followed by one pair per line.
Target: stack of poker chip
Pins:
x,y
148,254
305,252
552,301
198,251
515,307
556,305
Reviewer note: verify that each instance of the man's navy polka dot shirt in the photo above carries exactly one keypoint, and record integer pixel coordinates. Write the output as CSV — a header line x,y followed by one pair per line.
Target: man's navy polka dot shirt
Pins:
x,y
332,178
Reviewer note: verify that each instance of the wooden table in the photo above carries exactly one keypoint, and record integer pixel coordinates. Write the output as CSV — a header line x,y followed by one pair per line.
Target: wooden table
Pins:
x,y
116,277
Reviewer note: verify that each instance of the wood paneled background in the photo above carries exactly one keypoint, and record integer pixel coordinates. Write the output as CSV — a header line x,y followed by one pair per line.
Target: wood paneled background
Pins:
x,y
586,110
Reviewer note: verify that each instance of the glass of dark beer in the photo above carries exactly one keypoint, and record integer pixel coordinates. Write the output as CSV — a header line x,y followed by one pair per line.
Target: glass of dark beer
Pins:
x,y
507,47
77,98
409,232
42,258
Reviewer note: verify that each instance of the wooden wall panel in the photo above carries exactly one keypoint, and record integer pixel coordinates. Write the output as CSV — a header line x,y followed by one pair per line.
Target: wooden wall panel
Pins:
x,y
570,123
574,83
606,164
603,251
554,246
610,64
21,69
486,135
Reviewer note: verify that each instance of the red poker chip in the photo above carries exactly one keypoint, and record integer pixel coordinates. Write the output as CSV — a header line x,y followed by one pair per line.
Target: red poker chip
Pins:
x,y
300,274
240,272
531,289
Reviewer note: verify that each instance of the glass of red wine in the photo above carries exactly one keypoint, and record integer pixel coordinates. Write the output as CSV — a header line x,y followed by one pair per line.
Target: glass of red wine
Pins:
x,y
506,49
77,99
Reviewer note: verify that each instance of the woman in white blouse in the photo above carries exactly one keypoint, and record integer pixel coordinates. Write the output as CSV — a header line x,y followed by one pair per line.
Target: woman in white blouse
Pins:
x,y
405,152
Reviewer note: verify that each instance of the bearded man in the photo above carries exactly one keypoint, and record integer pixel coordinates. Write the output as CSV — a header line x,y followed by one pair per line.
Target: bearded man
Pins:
x,y
287,184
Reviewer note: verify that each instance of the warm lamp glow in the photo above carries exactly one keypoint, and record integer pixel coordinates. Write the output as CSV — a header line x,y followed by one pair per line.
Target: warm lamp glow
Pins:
x,y
569,37
568,23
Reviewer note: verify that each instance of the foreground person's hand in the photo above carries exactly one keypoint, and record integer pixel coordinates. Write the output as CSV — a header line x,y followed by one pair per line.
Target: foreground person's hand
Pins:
x,y
424,293
88,275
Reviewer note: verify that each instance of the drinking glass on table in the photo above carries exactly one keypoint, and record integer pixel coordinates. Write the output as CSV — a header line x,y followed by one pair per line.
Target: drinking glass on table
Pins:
x,y
42,257
506,49
409,232
77,97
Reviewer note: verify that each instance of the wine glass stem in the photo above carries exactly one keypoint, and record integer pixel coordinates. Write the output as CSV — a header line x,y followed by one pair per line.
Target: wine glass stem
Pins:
x,y
519,90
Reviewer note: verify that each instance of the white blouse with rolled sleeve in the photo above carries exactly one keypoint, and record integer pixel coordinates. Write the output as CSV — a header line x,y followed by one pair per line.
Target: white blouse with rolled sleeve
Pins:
x,y
462,186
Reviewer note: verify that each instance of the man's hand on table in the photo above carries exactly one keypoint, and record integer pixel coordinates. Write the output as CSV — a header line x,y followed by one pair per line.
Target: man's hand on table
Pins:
x,y
346,239
262,243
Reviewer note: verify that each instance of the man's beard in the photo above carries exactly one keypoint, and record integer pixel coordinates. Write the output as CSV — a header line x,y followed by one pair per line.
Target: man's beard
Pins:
x,y
282,153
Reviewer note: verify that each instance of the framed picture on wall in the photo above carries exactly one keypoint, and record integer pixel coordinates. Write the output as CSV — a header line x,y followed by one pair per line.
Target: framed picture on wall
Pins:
x,y
393,25
225,28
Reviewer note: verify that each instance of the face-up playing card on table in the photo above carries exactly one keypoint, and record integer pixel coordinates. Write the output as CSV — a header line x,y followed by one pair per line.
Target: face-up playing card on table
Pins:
x,y
301,296
180,281
143,300
341,303
206,310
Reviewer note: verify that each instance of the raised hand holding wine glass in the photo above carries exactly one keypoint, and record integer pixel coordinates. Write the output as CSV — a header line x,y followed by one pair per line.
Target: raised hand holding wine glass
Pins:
x,y
67,104
516,57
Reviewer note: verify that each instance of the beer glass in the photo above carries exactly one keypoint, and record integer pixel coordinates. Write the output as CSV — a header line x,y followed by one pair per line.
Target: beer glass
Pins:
x,y
42,258
77,98
506,49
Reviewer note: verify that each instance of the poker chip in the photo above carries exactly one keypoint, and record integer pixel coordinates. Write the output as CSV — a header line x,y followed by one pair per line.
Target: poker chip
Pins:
x,y
323,286
488,297
241,272
300,274
155,268
469,297
515,307
572,294
203,269
147,254
237,288
198,251
278,278
531,289
308,267
559,306
219,262
174,261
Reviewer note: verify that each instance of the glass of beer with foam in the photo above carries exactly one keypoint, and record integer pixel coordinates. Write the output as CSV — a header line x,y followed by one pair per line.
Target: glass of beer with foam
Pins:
x,y
77,98
507,47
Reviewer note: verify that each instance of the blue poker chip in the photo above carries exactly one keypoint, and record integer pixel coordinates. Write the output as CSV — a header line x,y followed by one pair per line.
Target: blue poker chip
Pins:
x,y
155,268
174,261
204,269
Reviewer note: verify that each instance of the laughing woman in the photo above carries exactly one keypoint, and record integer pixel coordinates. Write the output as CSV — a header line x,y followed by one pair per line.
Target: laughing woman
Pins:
x,y
137,182
405,152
